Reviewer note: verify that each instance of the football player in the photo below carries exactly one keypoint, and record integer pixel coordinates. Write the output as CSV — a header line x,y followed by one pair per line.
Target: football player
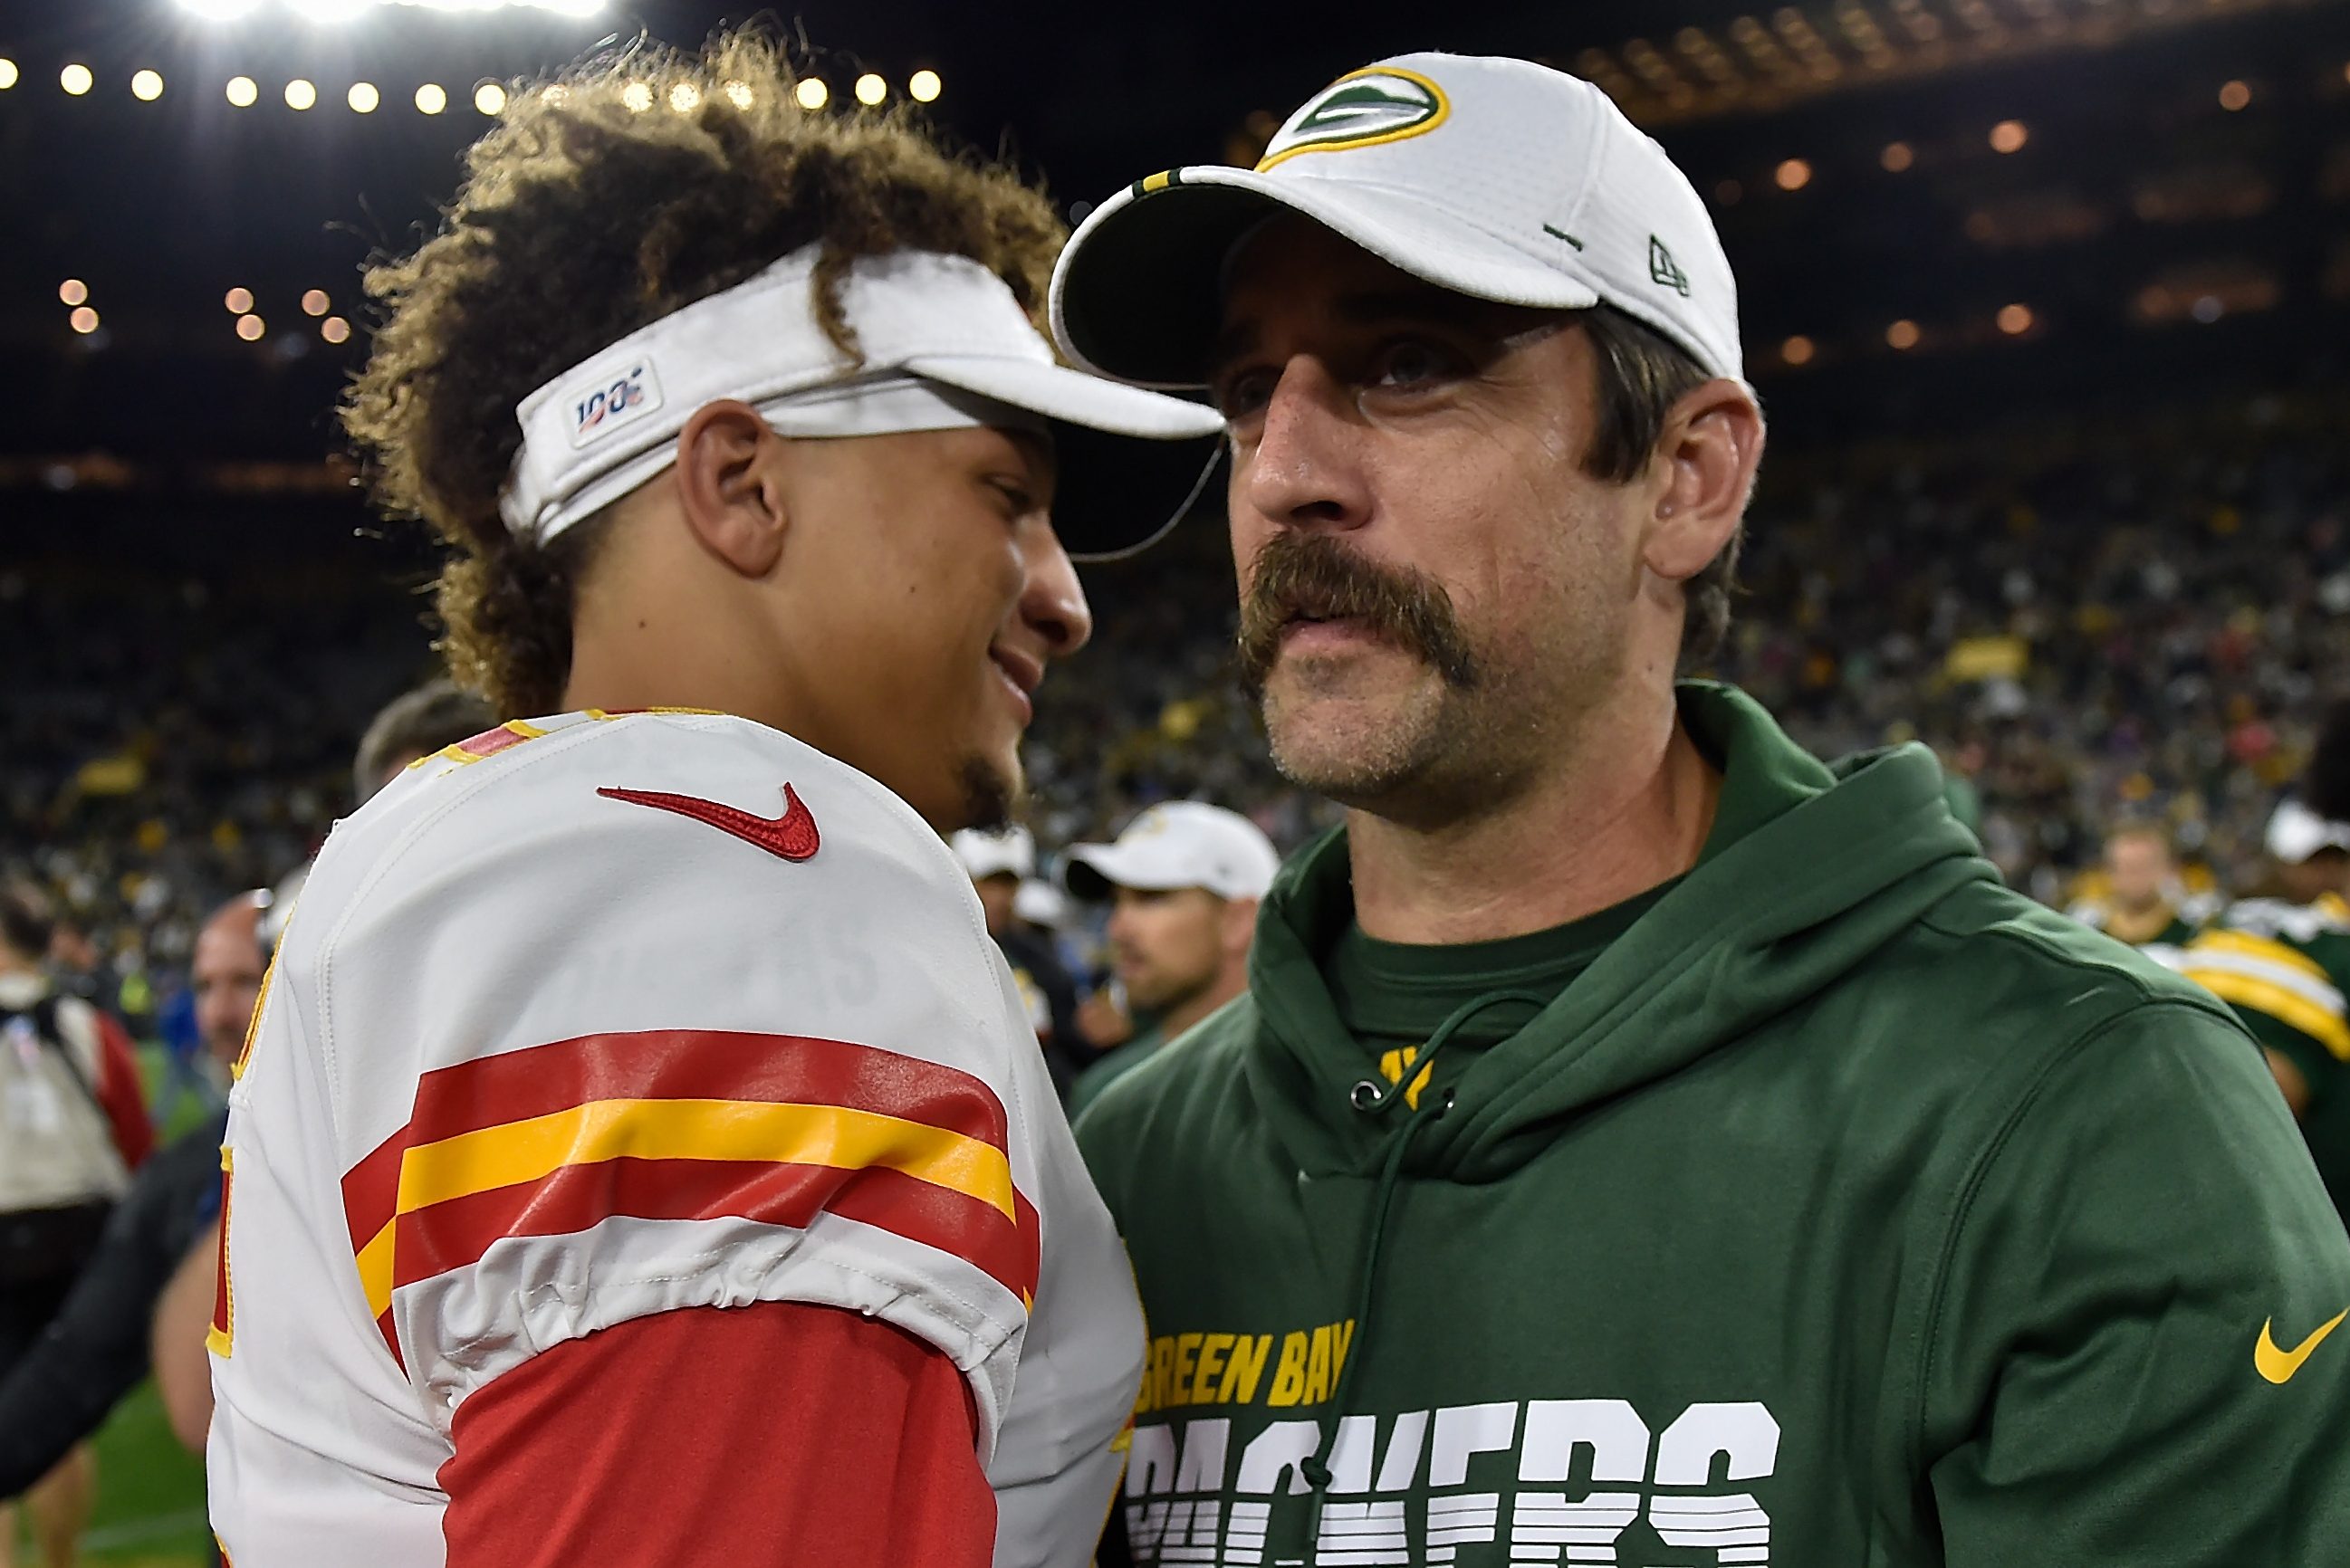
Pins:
x,y
641,1155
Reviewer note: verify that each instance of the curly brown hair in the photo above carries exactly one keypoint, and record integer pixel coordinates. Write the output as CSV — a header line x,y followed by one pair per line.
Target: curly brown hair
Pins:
x,y
605,198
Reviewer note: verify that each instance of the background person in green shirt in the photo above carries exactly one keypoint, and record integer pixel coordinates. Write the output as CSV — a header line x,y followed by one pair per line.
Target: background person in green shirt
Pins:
x,y
2138,896
1640,1142
2281,956
1184,879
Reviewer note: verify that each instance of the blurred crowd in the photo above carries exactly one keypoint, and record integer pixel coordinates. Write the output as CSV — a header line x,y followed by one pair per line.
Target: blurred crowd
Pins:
x,y
2085,627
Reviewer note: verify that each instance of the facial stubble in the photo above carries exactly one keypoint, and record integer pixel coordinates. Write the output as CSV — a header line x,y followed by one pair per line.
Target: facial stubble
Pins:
x,y
1435,742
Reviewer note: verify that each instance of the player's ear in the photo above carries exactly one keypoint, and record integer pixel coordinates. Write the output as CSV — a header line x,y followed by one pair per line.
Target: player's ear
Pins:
x,y
1240,925
1700,477
730,488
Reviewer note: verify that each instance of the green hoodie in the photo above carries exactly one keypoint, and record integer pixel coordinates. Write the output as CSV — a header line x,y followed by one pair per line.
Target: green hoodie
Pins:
x,y
1849,1209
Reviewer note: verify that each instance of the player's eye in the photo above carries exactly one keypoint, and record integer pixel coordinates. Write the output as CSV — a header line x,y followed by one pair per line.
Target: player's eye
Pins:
x,y
1413,362
1017,500
1244,391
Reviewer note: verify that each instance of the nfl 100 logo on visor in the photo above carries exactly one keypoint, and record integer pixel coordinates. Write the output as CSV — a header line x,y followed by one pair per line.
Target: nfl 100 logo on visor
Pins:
x,y
617,396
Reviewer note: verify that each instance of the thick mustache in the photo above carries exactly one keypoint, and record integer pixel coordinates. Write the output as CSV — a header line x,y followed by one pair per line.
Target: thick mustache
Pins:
x,y
1312,575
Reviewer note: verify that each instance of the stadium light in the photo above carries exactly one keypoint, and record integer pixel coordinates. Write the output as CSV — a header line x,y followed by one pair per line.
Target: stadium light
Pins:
x,y
2016,319
430,98
250,328
244,92
561,7
2009,136
2234,96
738,94
813,94
637,96
1794,174
1796,350
1902,334
300,93
84,321
1897,157
147,85
923,86
871,90
220,10
330,13
490,98
73,291
238,300
76,78
7,73
684,97
363,98
334,329
314,301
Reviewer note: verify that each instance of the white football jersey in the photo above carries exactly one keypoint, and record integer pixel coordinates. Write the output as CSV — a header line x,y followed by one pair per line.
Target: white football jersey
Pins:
x,y
598,1016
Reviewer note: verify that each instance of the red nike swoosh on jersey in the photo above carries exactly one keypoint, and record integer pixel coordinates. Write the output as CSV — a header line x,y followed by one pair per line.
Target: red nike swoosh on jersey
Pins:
x,y
792,835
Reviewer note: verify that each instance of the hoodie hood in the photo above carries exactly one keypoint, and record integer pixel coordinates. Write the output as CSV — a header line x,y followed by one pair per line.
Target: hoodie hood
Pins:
x,y
1830,865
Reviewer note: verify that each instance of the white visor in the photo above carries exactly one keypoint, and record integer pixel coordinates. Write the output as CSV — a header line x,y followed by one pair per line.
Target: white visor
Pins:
x,y
944,344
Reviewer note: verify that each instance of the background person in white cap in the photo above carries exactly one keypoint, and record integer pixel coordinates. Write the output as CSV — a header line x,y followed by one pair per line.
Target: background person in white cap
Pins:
x,y
642,1156
1184,879
1001,863
1637,1133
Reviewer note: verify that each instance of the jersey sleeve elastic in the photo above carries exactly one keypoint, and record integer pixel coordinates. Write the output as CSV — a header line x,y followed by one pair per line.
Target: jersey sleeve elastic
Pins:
x,y
601,1045
2285,997
2135,1357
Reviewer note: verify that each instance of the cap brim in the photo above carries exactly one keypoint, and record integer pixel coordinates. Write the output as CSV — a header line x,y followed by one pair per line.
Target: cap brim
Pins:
x,y
1138,291
1095,871
2295,833
1130,462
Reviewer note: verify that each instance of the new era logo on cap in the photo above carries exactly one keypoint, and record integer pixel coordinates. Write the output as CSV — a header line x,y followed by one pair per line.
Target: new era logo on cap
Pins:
x,y
1362,109
1663,269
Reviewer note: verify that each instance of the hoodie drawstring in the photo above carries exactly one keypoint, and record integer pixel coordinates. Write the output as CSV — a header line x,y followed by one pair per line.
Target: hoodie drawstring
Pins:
x,y
1372,1098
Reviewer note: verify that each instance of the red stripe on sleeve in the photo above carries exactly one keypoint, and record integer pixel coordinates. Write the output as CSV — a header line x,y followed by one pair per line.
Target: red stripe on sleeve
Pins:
x,y
701,1064
666,1063
754,1437
440,1237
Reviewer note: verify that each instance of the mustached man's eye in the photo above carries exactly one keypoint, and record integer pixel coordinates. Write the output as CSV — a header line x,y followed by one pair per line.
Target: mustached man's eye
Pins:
x,y
1412,363
1243,392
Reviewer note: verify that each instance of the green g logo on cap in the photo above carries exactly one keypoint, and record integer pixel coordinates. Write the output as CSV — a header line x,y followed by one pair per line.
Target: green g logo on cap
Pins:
x,y
1361,109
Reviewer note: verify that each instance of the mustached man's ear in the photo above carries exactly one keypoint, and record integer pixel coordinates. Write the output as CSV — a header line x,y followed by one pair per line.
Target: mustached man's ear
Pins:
x,y
729,486
1704,473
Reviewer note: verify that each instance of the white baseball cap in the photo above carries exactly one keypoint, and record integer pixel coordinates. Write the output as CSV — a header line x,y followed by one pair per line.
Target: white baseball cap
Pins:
x,y
1495,178
1040,903
1177,844
2296,833
1011,852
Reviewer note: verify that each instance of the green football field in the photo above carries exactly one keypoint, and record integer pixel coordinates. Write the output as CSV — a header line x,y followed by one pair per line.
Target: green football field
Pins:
x,y
151,1494
151,1491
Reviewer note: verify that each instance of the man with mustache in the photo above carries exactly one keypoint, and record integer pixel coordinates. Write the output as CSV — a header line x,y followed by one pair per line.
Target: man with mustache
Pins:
x,y
1639,1140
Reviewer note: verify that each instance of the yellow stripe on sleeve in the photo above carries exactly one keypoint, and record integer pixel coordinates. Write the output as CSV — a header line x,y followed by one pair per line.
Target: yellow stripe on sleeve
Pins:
x,y
837,1137
2263,996
2251,946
